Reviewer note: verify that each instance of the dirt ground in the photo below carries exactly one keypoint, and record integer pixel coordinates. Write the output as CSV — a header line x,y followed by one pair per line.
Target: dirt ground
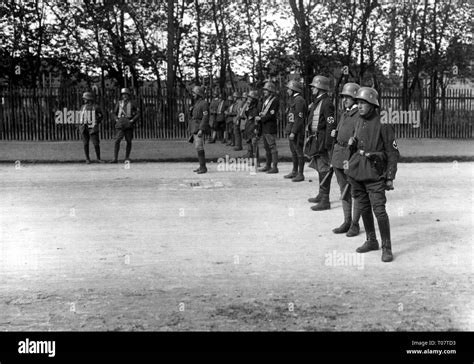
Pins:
x,y
156,247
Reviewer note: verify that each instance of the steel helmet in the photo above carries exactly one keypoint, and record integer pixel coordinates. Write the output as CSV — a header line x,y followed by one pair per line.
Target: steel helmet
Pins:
x,y
253,95
270,86
244,95
320,82
350,89
199,90
295,86
368,94
88,96
125,91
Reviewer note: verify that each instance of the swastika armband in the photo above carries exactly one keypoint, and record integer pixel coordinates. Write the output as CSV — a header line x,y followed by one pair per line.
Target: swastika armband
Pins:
x,y
291,118
330,120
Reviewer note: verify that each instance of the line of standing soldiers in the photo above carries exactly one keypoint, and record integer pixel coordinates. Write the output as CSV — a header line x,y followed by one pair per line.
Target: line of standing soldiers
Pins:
x,y
360,150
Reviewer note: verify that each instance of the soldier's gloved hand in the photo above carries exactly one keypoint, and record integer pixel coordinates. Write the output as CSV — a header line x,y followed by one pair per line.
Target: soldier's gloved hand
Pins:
x,y
199,134
292,136
389,184
333,133
351,141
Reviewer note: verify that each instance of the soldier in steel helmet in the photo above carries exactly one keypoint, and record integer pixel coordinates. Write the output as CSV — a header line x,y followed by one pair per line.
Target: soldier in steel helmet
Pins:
x,y
295,130
90,117
320,124
199,124
267,122
126,114
372,169
340,157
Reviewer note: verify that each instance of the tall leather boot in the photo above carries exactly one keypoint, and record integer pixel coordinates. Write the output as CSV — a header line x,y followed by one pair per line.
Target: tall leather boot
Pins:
x,y
355,228
249,153
318,197
86,152
384,227
274,169
371,243
268,163
294,171
324,204
300,176
346,208
202,162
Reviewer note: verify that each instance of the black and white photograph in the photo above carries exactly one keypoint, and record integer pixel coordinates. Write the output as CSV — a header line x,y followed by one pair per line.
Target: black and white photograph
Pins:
x,y
302,167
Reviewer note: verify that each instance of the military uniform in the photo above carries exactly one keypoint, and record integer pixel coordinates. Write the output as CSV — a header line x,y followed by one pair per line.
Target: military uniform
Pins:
x,y
295,125
320,124
371,170
340,157
90,117
127,113
268,125
199,123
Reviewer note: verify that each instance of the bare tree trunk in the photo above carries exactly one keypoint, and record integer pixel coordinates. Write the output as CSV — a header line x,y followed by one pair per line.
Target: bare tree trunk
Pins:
x,y
170,77
304,39
249,34
197,48
260,41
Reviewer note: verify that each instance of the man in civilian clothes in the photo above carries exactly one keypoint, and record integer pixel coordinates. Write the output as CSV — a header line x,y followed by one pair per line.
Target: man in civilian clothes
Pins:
x,y
199,124
295,130
249,128
340,158
239,122
126,113
230,116
320,123
90,117
372,169
267,122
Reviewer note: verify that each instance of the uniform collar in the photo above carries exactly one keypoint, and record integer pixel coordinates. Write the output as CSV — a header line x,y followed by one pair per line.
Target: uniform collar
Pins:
x,y
324,95
370,116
